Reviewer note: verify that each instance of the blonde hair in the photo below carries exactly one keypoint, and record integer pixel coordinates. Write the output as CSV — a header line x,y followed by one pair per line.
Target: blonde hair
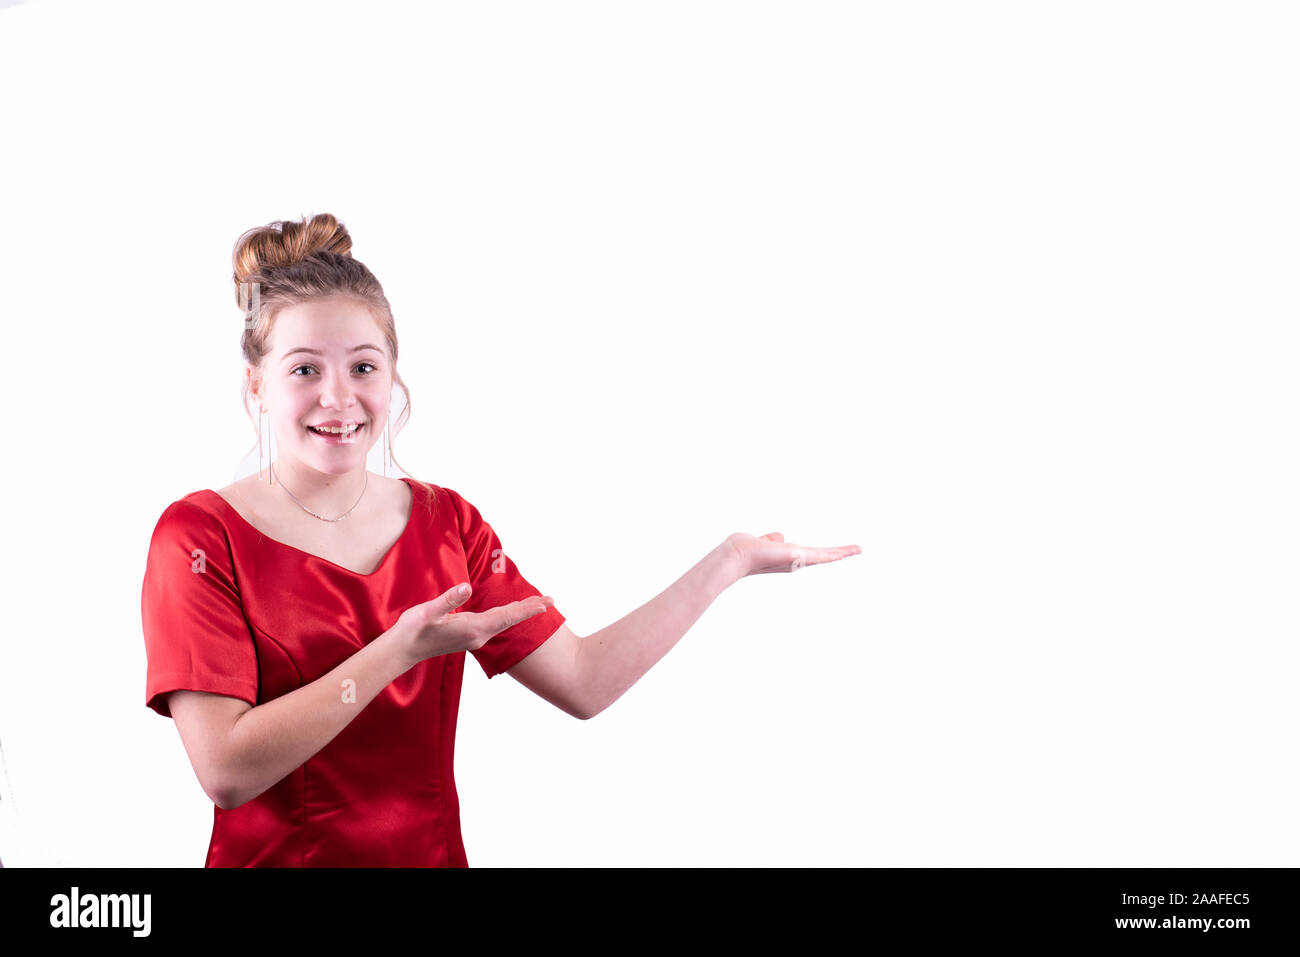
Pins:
x,y
287,262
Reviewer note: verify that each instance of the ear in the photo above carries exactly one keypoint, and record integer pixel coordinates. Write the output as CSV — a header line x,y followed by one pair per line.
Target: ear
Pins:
x,y
254,385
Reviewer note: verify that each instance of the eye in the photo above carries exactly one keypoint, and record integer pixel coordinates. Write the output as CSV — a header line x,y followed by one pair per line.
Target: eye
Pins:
x,y
369,365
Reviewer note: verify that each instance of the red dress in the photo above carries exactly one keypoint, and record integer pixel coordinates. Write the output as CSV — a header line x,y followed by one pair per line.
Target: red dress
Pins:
x,y
228,610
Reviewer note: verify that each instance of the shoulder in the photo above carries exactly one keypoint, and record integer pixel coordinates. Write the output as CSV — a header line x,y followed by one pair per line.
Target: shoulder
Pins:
x,y
188,537
426,496
444,506
194,509
192,521
455,505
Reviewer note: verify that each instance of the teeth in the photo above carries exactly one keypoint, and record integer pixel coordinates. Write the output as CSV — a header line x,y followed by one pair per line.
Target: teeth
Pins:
x,y
335,429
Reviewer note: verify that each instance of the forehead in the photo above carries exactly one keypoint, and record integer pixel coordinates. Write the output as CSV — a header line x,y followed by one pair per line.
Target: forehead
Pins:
x,y
324,324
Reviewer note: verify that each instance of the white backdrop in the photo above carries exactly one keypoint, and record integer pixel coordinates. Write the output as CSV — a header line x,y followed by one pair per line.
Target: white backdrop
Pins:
x,y
1004,293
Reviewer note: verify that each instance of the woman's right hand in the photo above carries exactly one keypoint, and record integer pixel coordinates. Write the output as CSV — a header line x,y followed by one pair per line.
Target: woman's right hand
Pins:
x,y
435,628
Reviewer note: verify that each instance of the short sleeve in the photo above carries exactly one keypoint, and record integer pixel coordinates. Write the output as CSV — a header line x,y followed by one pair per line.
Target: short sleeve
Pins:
x,y
195,633
497,581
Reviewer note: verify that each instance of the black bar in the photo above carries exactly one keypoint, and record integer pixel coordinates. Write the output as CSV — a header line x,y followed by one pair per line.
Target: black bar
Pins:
x,y
575,906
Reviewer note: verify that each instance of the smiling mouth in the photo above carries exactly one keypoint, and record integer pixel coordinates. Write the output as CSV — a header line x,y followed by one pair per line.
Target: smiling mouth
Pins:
x,y
335,432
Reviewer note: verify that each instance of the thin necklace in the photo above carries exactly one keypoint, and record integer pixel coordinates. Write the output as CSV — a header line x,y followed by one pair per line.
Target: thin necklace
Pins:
x,y
322,517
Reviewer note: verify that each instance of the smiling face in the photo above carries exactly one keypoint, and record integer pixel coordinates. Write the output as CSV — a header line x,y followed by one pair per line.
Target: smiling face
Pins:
x,y
326,371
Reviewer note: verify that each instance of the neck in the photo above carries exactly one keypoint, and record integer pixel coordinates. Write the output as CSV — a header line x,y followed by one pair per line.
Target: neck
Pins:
x,y
325,494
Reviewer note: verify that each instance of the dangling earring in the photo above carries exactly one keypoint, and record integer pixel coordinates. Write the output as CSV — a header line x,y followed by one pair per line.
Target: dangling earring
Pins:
x,y
388,439
270,448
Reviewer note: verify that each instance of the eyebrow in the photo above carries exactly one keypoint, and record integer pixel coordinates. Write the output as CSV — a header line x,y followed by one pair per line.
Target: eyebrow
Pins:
x,y
317,352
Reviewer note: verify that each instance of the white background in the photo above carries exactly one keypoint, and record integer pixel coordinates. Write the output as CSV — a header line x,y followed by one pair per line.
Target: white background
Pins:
x,y
1004,293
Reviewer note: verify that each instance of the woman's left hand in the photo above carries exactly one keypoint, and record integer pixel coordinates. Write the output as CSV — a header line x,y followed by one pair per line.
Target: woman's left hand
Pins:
x,y
772,553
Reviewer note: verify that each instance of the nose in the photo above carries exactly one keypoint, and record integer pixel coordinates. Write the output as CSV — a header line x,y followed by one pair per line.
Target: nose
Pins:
x,y
337,391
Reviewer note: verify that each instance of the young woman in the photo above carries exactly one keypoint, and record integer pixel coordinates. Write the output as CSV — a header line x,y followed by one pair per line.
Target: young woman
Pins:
x,y
306,627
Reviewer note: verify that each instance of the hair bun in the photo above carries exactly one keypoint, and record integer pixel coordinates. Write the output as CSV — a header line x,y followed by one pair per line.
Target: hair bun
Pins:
x,y
286,242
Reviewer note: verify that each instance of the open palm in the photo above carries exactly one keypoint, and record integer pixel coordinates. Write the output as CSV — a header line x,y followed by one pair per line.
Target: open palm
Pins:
x,y
772,553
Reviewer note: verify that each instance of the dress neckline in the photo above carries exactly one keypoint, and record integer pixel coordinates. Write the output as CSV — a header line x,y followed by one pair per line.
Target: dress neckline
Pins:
x,y
410,521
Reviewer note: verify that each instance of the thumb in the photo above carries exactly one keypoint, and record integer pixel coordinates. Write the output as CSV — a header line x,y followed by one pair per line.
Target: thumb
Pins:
x,y
457,596
774,537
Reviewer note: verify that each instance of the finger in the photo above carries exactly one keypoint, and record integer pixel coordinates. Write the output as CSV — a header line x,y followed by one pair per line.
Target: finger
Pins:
x,y
454,597
774,537
816,556
804,557
507,616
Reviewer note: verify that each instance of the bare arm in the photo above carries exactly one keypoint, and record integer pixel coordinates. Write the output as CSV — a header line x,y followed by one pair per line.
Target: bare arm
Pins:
x,y
238,751
613,659
584,676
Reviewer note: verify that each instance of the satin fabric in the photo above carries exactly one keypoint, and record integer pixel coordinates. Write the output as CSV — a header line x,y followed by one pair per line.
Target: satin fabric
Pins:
x,y
228,610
